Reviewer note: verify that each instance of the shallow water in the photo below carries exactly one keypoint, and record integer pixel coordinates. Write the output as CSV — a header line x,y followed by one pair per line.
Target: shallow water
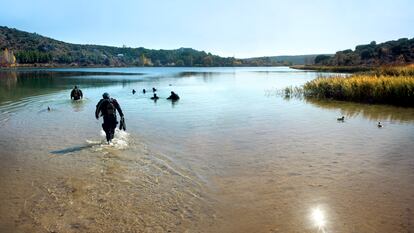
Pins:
x,y
232,155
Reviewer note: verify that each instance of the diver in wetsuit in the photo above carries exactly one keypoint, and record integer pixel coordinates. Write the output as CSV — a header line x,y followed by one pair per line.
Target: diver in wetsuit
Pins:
x,y
107,108
76,94
173,97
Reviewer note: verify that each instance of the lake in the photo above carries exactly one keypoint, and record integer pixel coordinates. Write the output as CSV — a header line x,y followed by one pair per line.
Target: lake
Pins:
x,y
232,155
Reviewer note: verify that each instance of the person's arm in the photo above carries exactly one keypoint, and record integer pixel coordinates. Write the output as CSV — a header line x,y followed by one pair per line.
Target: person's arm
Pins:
x,y
81,94
71,94
116,104
98,109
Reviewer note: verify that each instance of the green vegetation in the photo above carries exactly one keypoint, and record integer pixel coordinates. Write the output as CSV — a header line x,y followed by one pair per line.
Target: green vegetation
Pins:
x,y
389,85
282,60
397,52
383,74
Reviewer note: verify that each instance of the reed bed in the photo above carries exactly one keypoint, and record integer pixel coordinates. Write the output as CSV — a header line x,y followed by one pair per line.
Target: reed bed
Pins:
x,y
407,70
388,85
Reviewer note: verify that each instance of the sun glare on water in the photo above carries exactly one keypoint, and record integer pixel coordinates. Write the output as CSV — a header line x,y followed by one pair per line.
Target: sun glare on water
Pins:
x,y
318,219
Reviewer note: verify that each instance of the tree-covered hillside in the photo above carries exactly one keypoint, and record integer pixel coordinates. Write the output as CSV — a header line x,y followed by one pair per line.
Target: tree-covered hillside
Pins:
x,y
31,48
284,60
395,52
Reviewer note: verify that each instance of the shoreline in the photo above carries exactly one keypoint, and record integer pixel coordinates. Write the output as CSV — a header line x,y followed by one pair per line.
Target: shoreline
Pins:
x,y
335,69
42,66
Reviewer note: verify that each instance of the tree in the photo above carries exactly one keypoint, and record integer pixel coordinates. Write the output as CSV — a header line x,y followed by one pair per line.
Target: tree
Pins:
x,y
179,63
7,58
321,59
208,61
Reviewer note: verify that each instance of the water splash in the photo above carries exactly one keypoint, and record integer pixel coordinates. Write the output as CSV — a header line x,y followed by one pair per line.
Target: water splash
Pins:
x,y
121,141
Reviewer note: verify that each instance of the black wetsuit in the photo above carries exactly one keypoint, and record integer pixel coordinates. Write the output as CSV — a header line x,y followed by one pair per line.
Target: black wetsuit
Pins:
x,y
107,107
173,97
76,94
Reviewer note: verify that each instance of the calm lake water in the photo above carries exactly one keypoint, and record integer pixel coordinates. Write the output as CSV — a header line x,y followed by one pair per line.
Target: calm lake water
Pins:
x,y
232,155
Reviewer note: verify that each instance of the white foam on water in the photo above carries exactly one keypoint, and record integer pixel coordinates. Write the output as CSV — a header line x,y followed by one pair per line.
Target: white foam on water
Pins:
x,y
120,141
91,142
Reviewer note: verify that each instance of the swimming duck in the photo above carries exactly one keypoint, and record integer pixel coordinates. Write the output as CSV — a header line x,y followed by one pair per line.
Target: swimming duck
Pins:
x,y
379,125
341,118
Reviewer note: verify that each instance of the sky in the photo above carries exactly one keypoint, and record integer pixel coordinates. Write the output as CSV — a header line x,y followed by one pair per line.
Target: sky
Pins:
x,y
240,28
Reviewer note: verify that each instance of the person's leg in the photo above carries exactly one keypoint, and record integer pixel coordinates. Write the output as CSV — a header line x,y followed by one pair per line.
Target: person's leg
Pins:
x,y
113,132
106,128
112,122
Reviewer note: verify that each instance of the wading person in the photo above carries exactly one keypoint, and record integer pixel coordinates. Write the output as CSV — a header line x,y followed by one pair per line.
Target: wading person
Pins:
x,y
173,97
76,94
155,97
107,108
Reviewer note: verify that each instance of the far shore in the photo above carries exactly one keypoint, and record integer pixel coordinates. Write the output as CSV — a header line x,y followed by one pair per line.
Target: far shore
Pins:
x,y
54,65
338,69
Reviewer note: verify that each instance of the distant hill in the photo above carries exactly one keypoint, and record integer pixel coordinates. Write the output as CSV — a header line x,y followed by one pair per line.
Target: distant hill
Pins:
x,y
31,48
285,60
394,52
20,48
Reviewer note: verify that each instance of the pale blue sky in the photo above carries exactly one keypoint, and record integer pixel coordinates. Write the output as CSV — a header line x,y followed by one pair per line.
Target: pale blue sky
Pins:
x,y
243,28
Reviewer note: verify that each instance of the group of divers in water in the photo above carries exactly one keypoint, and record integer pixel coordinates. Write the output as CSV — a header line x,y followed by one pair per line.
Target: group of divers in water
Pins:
x,y
107,108
172,97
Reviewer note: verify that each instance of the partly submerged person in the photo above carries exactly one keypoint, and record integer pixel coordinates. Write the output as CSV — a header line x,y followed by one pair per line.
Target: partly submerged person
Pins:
x,y
173,96
107,108
76,93
133,91
154,89
143,91
155,97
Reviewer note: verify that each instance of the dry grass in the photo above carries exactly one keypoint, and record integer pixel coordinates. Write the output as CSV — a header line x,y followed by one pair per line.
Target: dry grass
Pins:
x,y
407,70
390,85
